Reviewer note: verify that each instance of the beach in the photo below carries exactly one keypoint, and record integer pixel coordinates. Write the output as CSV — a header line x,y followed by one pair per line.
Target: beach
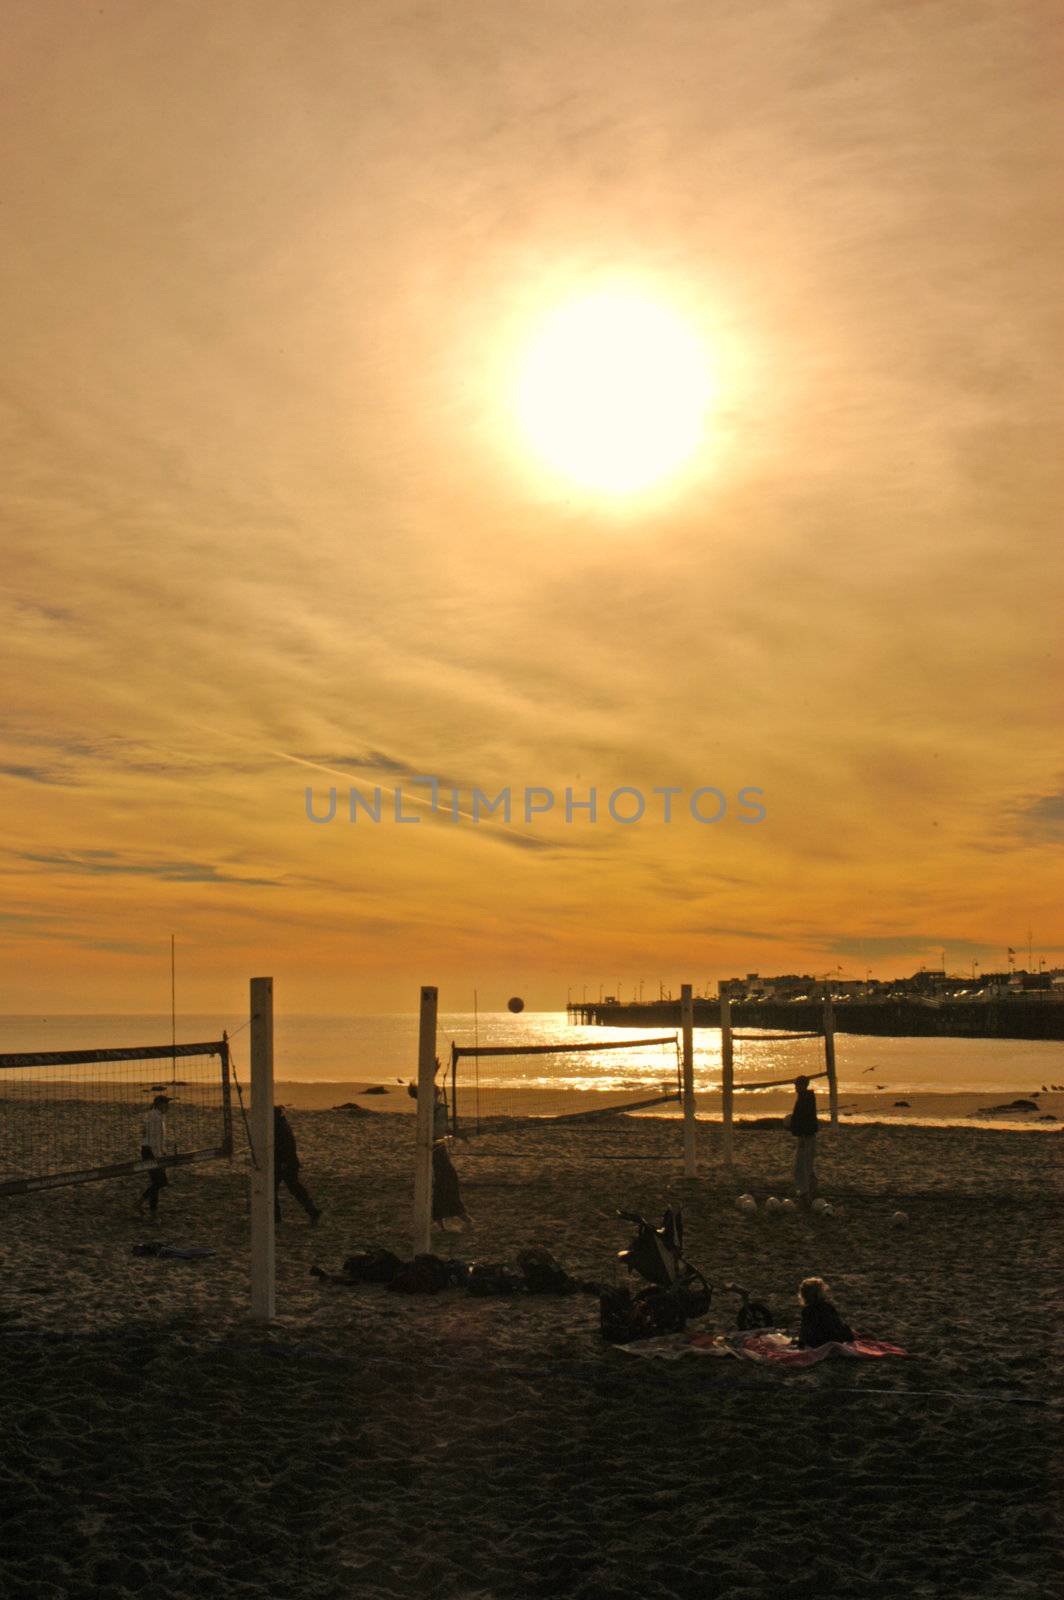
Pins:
x,y
384,1445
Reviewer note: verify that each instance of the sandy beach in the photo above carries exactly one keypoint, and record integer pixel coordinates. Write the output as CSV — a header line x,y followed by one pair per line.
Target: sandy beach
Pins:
x,y
383,1445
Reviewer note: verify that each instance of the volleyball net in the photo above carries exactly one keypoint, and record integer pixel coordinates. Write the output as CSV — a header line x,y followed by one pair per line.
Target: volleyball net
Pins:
x,y
486,1095
730,1036
70,1116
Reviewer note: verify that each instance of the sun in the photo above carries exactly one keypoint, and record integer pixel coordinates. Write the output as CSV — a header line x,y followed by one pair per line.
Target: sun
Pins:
x,y
613,392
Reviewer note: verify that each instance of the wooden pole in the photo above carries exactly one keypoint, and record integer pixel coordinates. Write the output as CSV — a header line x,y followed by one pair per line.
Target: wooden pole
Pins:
x,y
426,1118
263,1301
687,1017
727,1065
829,1060
454,1091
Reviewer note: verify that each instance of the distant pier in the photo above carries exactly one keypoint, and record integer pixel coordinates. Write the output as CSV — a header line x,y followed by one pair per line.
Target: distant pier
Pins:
x,y
1019,1017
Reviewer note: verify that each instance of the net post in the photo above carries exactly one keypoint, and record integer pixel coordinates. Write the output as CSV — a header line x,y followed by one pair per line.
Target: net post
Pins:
x,y
263,1288
727,1063
687,1017
454,1089
426,1118
829,1060
227,1099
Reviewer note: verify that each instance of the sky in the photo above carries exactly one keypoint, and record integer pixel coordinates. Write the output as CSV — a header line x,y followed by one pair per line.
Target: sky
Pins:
x,y
271,523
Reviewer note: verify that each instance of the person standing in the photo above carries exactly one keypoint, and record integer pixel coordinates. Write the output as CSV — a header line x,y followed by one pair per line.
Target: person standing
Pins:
x,y
286,1168
153,1148
803,1126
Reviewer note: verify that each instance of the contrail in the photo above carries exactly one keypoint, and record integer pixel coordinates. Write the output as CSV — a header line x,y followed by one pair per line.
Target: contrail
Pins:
x,y
364,783
360,783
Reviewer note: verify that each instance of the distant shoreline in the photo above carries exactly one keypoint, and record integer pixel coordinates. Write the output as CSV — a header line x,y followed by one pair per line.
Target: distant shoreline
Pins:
x,y
958,1108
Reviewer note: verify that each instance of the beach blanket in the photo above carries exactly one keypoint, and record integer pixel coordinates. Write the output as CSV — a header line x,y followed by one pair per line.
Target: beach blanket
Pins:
x,y
770,1346
671,1346
773,1347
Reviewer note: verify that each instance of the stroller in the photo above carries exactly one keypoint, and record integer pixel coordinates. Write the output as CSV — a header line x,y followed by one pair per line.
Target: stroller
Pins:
x,y
676,1290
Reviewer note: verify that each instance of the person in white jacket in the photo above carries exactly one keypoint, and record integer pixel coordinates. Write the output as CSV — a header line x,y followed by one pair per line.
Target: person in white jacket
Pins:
x,y
153,1148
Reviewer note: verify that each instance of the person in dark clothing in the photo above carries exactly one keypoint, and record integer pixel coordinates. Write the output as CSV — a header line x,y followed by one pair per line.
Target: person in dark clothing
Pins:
x,y
803,1125
286,1168
821,1323
446,1194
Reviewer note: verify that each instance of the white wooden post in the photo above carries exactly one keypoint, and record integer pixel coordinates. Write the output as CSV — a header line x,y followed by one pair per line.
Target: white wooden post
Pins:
x,y
829,1060
727,1074
687,1017
263,1302
426,1119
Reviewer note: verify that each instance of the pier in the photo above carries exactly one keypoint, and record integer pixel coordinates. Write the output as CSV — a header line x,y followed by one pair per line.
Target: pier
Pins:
x,y
1017,1017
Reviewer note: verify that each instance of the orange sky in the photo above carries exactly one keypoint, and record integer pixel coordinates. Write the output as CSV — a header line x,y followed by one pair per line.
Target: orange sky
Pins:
x,y
268,274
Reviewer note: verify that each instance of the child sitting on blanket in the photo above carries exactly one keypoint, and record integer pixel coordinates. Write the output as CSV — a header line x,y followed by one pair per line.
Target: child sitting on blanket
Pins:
x,y
821,1323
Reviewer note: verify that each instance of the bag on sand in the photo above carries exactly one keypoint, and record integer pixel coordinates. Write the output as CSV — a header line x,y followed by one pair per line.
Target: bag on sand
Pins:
x,y
491,1278
754,1314
624,1316
428,1274
375,1265
543,1274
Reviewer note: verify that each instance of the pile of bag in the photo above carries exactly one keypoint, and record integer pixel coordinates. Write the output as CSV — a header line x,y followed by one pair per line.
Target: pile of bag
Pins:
x,y
539,1273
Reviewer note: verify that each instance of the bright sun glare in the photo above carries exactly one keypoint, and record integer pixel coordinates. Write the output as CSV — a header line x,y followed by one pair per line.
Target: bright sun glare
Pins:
x,y
613,392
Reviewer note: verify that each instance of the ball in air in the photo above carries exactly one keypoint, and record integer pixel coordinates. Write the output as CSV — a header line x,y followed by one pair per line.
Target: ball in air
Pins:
x,y
515,1003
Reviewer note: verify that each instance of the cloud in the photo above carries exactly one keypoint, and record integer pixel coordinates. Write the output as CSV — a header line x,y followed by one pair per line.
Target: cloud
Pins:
x,y
1040,818
47,775
900,944
527,841
103,863
375,760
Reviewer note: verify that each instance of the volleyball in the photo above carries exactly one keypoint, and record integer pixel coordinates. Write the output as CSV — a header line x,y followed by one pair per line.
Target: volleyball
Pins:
x,y
773,1205
788,1205
899,1220
746,1204
820,1206
515,1003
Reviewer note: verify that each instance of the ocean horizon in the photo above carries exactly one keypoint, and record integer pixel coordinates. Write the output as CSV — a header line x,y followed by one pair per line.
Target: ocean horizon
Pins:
x,y
316,1047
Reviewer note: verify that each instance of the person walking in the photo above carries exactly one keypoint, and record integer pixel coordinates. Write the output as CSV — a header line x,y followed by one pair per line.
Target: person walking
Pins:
x,y
153,1148
803,1124
286,1168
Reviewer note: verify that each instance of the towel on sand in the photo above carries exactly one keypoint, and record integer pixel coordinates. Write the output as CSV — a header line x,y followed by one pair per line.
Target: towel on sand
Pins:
x,y
770,1346
774,1348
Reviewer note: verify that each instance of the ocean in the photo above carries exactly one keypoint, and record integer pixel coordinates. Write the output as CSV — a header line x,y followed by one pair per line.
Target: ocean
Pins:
x,y
333,1049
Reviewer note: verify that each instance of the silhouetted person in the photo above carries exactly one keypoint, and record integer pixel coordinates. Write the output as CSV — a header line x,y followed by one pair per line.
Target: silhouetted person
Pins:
x,y
153,1148
446,1194
821,1323
286,1168
803,1125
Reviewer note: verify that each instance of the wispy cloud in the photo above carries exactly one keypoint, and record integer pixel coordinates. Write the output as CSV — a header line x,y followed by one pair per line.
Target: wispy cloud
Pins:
x,y
881,946
103,863
46,775
1040,818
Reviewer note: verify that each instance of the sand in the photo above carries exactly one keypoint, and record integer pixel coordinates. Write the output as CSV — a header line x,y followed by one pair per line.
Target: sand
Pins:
x,y
375,1445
